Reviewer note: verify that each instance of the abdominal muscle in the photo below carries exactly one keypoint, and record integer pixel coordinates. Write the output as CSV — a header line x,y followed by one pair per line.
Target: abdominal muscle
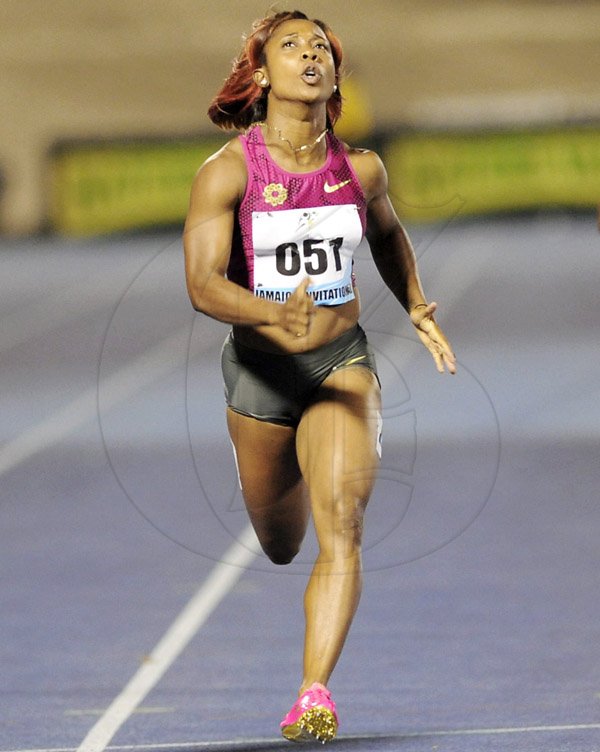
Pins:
x,y
328,323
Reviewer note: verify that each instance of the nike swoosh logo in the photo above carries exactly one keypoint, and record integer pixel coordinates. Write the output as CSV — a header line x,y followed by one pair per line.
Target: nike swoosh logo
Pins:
x,y
332,188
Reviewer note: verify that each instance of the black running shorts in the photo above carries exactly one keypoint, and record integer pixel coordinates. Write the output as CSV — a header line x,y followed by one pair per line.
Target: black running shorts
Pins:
x,y
277,388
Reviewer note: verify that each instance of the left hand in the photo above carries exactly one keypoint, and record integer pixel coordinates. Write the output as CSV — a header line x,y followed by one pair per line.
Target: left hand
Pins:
x,y
433,338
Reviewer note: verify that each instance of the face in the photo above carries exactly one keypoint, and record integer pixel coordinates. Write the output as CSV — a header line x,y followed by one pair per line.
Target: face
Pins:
x,y
299,64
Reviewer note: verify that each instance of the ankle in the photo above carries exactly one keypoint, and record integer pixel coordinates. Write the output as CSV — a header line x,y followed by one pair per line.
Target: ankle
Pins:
x,y
312,685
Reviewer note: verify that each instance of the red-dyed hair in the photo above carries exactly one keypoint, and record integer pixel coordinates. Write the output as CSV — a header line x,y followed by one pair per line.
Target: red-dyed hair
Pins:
x,y
241,101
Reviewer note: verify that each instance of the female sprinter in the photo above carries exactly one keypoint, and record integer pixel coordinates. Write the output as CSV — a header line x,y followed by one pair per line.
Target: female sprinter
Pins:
x,y
274,219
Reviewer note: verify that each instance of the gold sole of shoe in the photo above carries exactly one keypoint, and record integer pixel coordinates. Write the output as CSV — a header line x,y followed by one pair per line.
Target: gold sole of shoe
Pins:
x,y
316,724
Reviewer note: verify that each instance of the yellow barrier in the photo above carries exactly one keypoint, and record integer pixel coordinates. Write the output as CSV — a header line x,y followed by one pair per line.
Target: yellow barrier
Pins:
x,y
436,176
100,188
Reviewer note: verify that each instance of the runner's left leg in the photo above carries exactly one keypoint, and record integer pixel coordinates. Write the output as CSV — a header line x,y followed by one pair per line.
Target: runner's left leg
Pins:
x,y
337,445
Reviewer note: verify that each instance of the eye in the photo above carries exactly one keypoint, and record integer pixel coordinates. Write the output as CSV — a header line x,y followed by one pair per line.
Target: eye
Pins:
x,y
288,44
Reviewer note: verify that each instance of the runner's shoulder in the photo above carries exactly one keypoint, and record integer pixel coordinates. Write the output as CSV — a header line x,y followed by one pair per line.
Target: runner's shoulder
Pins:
x,y
370,169
223,175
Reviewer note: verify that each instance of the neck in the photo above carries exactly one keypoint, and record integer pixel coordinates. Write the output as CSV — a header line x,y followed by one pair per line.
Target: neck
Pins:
x,y
293,142
296,126
302,142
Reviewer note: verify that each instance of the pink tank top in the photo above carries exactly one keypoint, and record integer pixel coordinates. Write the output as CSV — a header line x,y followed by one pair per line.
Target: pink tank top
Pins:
x,y
295,225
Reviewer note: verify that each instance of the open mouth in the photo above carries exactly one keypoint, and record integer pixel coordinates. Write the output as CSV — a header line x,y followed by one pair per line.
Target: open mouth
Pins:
x,y
311,75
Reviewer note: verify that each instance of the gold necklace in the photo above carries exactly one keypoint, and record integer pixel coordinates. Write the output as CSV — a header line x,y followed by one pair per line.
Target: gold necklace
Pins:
x,y
295,149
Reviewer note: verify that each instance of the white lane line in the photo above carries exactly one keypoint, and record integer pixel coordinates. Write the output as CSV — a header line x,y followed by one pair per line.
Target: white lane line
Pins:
x,y
504,730
232,745
141,710
218,584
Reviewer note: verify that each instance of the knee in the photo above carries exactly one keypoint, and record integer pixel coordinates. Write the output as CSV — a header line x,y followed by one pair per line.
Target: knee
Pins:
x,y
280,550
280,553
350,524
281,559
346,525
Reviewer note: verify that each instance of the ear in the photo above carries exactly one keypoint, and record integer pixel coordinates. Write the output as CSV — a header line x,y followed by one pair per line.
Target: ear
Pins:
x,y
260,78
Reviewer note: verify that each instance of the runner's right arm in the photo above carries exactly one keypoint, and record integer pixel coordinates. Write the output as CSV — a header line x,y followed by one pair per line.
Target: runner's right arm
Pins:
x,y
217,189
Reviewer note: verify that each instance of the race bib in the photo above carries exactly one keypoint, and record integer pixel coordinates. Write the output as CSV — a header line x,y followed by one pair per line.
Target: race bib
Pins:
x,y
292,244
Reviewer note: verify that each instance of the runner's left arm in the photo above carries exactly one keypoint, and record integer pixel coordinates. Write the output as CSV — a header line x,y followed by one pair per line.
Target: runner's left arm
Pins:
x,y
395,259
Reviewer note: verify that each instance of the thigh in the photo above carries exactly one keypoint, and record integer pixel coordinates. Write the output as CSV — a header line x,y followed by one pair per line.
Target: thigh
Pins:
x,y
272,486
338,445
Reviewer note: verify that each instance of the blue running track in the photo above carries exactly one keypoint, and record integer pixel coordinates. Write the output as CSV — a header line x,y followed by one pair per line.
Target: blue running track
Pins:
x,y
479,627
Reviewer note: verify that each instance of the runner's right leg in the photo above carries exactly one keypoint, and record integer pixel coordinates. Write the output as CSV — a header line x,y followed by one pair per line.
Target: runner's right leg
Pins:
x,y
274,492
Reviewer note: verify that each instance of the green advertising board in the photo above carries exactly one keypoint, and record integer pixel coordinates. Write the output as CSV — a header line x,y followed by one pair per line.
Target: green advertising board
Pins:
x,y
108,187
439,175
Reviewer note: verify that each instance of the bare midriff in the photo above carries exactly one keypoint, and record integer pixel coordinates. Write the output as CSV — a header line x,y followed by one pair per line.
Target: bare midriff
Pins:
x,y
328,323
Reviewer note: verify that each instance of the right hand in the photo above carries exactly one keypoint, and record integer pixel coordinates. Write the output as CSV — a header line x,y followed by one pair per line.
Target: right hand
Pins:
x,y
298,310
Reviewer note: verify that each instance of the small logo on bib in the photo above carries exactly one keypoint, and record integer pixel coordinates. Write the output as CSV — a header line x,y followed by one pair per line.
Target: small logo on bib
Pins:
x,y
275,194
332,188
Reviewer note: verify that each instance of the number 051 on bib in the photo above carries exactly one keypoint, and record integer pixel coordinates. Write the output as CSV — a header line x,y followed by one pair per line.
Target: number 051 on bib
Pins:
x,y
292,244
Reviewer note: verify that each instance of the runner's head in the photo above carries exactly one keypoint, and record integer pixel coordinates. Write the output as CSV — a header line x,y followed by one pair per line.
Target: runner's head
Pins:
x,y
243,98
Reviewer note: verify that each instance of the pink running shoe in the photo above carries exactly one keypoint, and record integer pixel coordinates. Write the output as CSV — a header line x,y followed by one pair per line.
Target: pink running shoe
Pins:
x,y
312,718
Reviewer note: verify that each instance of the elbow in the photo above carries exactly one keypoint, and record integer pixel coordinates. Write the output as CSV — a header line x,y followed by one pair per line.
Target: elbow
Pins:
x,y
195,300
199,302
205,300
204,287
197,297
